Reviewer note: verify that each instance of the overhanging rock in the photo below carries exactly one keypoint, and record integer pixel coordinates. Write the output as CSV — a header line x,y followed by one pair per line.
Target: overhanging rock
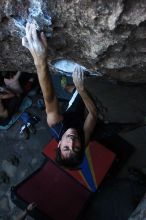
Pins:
x,y
108,36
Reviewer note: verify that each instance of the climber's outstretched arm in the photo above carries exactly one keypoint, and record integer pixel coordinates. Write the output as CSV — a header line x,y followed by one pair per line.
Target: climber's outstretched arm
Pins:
x,y
38,48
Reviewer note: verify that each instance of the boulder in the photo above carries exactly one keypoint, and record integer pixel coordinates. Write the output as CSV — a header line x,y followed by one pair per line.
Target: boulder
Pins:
x,y
108,36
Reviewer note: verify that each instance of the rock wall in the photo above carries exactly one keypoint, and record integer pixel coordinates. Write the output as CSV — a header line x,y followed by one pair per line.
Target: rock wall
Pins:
x,y
108,35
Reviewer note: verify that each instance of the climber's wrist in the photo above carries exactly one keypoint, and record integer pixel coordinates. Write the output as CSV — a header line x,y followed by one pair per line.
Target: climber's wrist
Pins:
x,y
40,63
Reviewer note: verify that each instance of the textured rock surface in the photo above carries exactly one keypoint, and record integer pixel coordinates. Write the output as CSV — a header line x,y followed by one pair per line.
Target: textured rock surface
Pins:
x,y
105,35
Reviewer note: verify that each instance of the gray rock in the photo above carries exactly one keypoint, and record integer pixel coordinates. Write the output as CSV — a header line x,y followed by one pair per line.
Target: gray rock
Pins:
x,y
34,161
9,168
108,36
4,204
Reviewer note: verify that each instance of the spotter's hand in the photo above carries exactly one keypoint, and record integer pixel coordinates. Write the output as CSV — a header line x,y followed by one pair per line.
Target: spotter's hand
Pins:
x,y
78,78
37,45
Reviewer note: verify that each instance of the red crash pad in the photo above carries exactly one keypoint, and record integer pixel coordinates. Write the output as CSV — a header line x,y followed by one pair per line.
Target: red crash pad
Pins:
x,y
97,161
58,195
